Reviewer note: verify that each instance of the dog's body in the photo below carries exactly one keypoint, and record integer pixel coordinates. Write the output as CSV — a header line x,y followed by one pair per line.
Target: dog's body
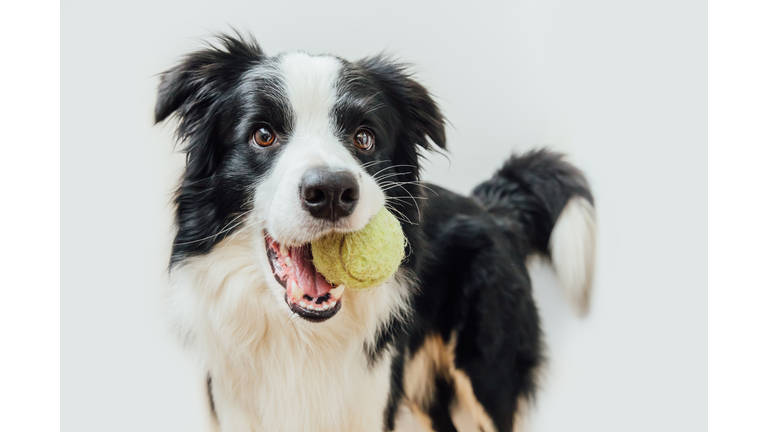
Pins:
x,y
281,150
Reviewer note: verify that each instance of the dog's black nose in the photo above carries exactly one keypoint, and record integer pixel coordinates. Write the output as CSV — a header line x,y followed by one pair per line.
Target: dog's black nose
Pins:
x,y
327,194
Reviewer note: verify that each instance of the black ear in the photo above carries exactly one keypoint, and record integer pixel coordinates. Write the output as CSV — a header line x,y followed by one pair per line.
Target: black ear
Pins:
x,y
205,74
421,115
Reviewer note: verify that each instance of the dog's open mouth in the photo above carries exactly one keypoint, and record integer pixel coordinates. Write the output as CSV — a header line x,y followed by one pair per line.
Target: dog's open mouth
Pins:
x,y
307,292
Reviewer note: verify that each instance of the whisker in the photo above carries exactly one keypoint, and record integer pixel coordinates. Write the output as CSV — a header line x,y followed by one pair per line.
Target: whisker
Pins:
x,y
390,175
392,167
225,229
400,200
428,188
389,207
392,186
418,183
371,163
245,213
235,235
414,200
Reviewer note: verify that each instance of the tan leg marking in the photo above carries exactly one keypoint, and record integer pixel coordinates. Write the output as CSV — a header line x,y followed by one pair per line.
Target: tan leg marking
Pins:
x,y
433,358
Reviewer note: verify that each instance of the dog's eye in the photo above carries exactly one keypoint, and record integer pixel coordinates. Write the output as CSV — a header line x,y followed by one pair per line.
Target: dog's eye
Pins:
x,y
263,137
364,139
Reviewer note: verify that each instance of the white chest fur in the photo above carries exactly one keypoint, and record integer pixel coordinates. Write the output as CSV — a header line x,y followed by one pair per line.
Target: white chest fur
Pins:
x,y
270,369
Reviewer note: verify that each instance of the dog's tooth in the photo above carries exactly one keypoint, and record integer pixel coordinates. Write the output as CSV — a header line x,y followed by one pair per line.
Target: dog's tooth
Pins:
x,y
326,306
298,294
338,291
333,303
283,250
288,261
303,304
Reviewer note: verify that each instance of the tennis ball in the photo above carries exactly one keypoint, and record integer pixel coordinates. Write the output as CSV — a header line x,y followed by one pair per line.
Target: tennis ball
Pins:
x,y
363,259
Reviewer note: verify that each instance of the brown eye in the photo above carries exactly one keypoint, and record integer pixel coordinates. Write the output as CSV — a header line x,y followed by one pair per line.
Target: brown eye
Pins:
x,y
364,139
263,137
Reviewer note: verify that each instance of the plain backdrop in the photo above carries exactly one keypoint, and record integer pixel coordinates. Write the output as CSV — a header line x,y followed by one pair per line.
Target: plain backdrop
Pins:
x,y
620,87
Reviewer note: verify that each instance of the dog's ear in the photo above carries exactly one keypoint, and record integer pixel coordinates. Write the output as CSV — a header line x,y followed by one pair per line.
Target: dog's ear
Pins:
x,y
194,84
421,115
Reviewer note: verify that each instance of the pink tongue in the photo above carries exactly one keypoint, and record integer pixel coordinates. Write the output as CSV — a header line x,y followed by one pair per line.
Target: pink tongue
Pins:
x,y
309,279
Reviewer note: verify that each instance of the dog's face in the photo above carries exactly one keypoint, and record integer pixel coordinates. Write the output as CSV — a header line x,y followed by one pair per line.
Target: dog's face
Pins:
x,y
292,147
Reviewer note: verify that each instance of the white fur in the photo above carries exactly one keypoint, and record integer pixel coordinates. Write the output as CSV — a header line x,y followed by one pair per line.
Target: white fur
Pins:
x,y
271,370
572,247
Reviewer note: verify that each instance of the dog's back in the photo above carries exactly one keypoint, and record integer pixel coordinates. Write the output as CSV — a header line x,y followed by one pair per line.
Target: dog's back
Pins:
x,y
476,345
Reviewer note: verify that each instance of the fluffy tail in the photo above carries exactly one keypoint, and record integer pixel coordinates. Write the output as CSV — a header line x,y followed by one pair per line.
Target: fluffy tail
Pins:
x,y
546,202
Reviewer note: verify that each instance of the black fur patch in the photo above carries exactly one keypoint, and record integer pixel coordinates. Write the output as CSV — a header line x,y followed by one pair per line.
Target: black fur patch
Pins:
x,y
439,411
209,383
396,391
218,105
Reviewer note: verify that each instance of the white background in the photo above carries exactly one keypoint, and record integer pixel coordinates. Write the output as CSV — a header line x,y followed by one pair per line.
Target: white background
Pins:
x,y
619,86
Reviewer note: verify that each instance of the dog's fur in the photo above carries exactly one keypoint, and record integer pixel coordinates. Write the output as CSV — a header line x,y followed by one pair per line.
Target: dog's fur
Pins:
x,y
453,338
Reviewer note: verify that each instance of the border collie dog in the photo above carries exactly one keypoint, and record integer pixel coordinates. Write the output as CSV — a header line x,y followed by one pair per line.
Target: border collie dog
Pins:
x,y
281,150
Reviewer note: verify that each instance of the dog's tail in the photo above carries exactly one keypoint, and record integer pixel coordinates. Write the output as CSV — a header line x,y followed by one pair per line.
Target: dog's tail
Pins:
x,y
547,203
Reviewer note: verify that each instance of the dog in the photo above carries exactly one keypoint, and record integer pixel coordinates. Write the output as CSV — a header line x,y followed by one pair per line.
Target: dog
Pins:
x,y
281,150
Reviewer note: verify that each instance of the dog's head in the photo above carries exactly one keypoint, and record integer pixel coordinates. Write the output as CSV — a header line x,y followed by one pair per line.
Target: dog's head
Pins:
x,y
292,147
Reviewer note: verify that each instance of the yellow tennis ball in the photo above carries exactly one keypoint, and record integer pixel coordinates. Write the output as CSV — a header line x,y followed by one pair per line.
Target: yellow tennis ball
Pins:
x,y
363,259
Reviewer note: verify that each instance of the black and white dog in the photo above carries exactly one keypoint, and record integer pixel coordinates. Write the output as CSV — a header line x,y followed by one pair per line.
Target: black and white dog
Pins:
x,y
283,149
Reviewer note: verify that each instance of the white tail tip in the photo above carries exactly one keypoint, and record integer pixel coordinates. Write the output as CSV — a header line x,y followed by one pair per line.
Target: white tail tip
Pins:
x,y
572,247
